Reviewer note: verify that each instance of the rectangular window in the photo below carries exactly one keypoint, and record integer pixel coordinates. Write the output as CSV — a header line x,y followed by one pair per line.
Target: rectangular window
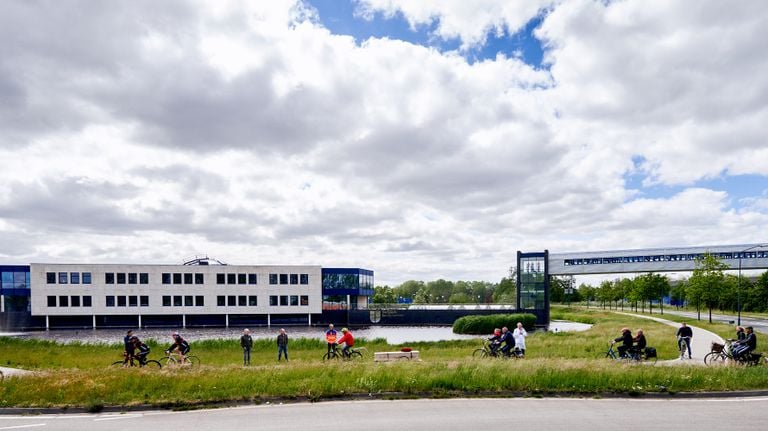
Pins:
x,y
87,301
177,301
166,278
199,278
74,301
304,300
143,278
283,278
110,301
144,301
120,278
303,278
283,300
220,301
242,300
272,278
74,277
231,278
251,278
273,300
62,278
200,301
231,300
188,278
294,300
253,301
220,278
176,278
51,301
166,301
86,278
50,277
109,278
133,301
241,278
63,301
133,278
294,278
121,301
188,301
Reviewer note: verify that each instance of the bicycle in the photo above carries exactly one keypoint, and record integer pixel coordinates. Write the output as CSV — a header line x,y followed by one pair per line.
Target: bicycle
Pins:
x,y
135,362
182,360
682,346
337,353
721,354
645,355
487,352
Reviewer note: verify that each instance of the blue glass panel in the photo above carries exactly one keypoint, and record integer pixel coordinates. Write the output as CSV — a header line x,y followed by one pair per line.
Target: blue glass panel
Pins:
x,y
7,277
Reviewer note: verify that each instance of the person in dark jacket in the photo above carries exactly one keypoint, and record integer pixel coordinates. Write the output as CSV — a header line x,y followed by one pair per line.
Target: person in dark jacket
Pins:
x,y
740,335
128,347
639,343
282,345
626,341
685,333
744,347
508,341
495,340
142,350
246,342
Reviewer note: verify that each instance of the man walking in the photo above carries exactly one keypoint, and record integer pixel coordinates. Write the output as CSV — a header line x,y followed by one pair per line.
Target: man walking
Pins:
x,y
246,342
282,345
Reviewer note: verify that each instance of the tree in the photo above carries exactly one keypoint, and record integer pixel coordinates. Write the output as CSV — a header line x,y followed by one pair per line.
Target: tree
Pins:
x,y
383,295
505,292
707,282
587,292
652,286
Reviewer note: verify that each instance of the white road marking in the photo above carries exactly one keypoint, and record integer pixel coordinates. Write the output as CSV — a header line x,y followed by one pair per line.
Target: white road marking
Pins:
x,y
22,426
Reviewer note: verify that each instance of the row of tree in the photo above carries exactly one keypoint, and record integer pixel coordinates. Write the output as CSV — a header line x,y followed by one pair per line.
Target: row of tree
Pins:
x,y
447,292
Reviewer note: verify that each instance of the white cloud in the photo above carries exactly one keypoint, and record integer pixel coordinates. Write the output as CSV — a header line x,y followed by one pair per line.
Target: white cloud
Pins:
x,y
153,131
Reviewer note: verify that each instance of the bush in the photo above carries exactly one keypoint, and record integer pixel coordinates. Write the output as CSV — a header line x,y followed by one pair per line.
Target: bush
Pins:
x,y
486,324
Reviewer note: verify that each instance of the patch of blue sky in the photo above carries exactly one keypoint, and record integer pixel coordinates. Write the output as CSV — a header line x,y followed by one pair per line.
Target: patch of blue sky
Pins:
x,y
338,16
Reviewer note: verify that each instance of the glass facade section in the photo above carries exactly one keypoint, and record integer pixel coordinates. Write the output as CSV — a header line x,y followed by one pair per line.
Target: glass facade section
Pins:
x,y
86,278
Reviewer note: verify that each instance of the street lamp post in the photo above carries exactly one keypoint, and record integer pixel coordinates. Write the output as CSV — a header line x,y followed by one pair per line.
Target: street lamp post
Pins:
x,y
738,290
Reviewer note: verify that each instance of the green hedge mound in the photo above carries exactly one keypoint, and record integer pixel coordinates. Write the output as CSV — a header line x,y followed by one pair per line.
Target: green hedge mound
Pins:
x,y
486,324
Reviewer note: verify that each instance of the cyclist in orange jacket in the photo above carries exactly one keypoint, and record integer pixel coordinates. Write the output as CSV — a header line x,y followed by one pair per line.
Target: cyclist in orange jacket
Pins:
x,y
348,340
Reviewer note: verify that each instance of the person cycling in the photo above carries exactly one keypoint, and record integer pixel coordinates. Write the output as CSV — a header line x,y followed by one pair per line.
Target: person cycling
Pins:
x,y
141,348
639,345
179,344
626,342
508,340
330,338
348,340
495,340
128,347
742,348
684,334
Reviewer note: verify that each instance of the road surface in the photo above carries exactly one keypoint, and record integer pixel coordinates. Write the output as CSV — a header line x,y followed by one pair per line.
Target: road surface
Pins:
x,y
443,415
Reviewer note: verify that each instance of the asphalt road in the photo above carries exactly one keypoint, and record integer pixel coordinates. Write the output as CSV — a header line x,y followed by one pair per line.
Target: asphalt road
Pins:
x,y
760,325
443,415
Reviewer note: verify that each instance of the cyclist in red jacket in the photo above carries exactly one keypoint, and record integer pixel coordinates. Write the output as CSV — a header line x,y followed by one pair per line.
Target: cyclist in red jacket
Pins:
x,y
348,340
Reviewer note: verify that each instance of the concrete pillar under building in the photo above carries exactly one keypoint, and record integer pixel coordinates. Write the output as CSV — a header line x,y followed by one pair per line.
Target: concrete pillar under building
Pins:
x,y
269,320
309,318
2,303
184,321
47,323
139,321
227,320
93,321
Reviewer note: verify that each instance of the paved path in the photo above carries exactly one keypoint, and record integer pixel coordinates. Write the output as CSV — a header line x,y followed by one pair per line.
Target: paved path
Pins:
x,y
701,342
571,414
759,324
7,372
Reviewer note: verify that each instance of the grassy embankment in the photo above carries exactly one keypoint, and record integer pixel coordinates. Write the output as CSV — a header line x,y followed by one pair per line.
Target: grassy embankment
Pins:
x,y
76,375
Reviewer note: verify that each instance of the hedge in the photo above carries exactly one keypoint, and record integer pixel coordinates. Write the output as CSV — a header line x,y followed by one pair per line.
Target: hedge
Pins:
x,y
478,324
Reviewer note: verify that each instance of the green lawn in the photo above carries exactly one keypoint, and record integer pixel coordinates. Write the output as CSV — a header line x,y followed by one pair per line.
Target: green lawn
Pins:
x,y
565,362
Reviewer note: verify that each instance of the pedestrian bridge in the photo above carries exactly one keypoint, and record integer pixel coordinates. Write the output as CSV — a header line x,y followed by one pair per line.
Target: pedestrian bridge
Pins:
x,y
677,259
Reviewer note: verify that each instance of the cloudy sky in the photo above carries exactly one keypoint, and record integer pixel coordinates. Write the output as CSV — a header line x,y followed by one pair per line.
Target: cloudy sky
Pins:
x,y
419,139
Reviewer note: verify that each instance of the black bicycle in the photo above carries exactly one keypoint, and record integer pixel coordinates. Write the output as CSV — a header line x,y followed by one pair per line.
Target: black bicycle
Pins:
x,y
487,351
135,362
722,354
682,346
337,353
645,355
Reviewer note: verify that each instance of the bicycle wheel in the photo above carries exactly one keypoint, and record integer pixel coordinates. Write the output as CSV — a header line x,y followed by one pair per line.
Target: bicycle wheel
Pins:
x,y
355,355
153,364
330,356
192,361
119,364
715,359
480,353
168,361
604,355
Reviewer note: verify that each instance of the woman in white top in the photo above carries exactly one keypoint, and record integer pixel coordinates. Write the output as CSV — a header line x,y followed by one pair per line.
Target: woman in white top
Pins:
x,y
520,334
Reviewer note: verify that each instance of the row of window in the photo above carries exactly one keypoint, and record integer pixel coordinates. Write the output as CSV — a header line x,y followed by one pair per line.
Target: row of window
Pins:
x,y
127,301
69,301
14,280
68,277
664,258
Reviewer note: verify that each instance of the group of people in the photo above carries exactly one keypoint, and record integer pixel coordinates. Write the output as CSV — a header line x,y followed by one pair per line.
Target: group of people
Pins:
x,y
347,339
246,342
746,342
630,346
138,350
505,340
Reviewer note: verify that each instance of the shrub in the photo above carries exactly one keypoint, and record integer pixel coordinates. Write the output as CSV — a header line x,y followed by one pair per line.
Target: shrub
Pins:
x,y
485,324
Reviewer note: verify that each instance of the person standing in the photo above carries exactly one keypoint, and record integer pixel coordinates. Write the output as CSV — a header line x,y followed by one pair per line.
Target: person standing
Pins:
x,y
128,347
330,338
246,342
685,334
282,345
520,334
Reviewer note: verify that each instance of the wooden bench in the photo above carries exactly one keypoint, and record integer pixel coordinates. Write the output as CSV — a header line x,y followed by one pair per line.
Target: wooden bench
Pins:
x,y
395,356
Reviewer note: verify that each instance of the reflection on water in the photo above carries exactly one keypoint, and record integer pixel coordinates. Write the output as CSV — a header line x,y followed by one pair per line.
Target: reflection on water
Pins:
x,y
393,334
